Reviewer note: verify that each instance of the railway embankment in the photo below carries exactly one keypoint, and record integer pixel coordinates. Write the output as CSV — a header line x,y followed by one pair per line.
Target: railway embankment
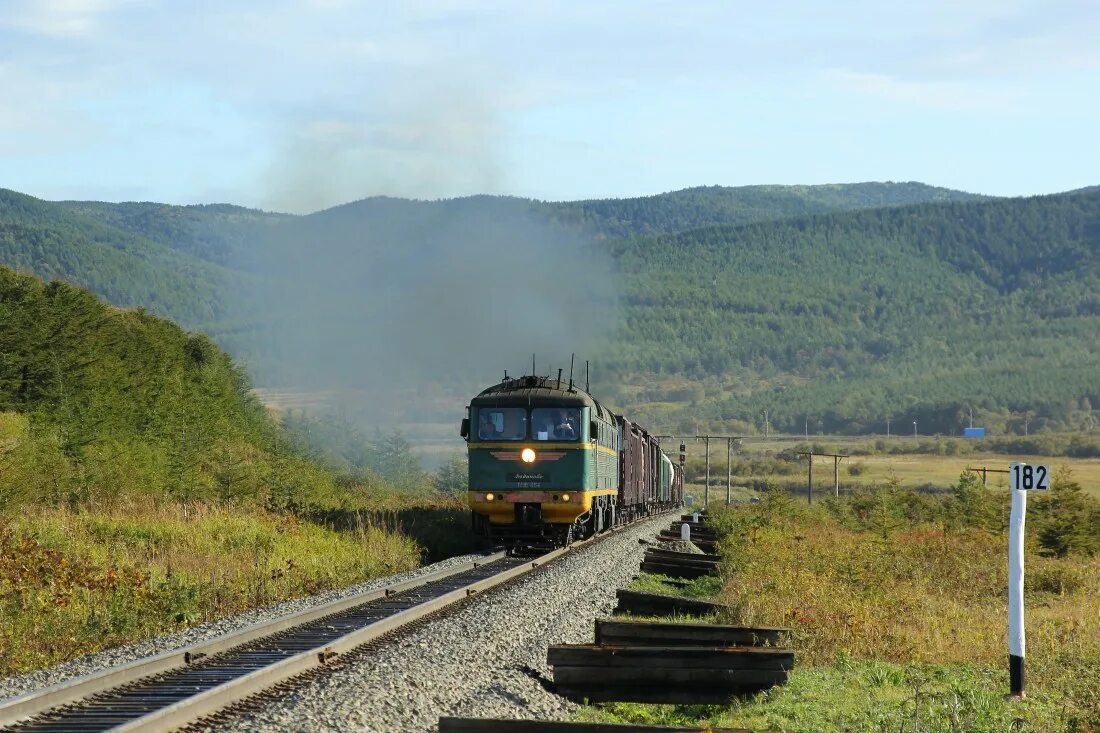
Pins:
x,y
485,659
471,638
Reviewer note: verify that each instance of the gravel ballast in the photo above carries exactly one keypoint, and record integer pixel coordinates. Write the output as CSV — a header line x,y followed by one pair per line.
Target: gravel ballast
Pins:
x,y
480,660
20,684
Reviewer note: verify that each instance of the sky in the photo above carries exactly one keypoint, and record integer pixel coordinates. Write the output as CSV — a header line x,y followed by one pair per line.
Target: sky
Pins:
x,y
296,105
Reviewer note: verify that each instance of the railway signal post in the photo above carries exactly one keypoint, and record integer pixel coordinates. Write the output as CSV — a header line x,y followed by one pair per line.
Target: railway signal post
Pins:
x,y
1023,478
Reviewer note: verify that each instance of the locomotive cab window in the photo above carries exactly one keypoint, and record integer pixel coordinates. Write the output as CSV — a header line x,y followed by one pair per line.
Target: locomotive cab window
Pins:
x,y
555,423
501,423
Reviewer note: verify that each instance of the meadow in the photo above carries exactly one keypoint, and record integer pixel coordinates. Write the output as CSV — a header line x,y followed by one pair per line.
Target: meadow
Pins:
x,y
924,463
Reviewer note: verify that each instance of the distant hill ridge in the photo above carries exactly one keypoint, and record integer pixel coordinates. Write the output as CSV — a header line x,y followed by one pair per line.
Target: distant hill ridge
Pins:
x,y
174,260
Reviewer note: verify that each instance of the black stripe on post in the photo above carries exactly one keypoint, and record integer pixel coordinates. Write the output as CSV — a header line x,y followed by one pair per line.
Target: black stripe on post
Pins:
x,y
1016,675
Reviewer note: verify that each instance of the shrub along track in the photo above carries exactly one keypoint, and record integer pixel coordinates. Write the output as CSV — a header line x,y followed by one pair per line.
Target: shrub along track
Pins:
x,y
178,688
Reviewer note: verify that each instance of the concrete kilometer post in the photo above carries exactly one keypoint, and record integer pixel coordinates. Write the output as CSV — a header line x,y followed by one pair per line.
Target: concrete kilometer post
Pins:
x,y
1016,593
1023,478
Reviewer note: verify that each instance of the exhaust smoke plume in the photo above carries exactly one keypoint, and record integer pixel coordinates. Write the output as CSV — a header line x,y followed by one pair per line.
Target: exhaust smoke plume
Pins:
x,y
422,140
403,309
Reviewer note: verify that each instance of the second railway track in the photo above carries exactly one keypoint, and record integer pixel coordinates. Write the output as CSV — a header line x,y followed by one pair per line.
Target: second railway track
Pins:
x,y
173,689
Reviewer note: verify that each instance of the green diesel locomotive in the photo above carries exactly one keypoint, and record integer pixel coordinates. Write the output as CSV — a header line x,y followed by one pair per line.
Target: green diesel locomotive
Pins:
x,y
549,463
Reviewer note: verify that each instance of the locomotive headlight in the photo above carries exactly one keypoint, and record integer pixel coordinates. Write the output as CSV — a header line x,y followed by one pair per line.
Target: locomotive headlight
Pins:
x,y
565,497
527,455
490,497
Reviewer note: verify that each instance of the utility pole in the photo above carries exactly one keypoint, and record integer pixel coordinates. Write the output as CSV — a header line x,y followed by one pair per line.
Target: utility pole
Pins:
x,y
729,470
706,489
837,458
914,428
887,427
765,423
971,409
810,478
807,427
706,440
836,476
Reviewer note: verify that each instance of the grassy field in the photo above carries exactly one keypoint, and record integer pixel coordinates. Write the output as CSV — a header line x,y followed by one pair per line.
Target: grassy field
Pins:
x,y
872,462
916,470
897,604
75,582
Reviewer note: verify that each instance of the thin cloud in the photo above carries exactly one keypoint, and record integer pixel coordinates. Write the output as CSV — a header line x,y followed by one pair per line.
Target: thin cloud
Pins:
x,y
59,18
367,86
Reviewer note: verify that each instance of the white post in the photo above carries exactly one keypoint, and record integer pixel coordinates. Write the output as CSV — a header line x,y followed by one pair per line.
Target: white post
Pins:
x,y
685,532
1016,592
1023,478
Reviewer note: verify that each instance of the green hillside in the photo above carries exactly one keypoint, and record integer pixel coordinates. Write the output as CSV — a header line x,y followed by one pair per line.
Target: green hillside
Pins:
x,y
128,269
98,403
143,488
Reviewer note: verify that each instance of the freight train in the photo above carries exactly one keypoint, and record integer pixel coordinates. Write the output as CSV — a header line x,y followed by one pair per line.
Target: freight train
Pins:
x,y
550,464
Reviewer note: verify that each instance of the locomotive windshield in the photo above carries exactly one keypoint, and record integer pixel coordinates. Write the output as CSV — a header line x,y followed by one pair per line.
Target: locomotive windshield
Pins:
x,y
502,423
555,423
547,423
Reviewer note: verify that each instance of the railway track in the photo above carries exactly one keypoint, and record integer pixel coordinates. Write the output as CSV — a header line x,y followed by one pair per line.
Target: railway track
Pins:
x,y
176,688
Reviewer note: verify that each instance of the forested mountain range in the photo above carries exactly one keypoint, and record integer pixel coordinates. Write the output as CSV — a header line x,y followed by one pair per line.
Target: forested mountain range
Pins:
x,y
845,320
833,306
178,261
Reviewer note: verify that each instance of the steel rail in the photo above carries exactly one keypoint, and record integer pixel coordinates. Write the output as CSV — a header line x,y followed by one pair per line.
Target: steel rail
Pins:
x,y
36,702
32,711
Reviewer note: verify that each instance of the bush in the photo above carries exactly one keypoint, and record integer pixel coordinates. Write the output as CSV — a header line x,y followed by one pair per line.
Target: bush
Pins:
x,y
1067,521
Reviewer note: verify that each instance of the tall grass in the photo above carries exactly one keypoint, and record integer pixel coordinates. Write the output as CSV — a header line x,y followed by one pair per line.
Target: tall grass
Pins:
x,y
897,602
78,581
909,579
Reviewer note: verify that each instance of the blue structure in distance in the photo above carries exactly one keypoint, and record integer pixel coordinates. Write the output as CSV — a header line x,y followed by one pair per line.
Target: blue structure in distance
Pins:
x,y
973,432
